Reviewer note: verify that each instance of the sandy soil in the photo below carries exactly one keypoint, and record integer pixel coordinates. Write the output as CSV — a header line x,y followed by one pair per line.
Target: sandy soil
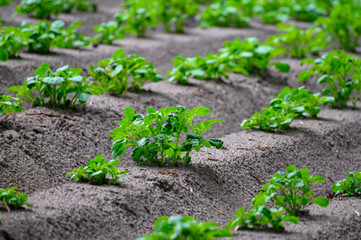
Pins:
x,y
37,150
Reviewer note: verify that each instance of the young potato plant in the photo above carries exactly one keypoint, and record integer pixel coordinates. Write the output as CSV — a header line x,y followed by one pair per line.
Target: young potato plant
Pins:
x,y
159,134
210,67
223,14
9,104
250,55
14,199
350,186
79,5
185,228
308,10
273,11
113,74
340,72
138,17
261,218
5,2
301,102
41,35
175,12
69,37
298,42
344,24
269,120
108,32
291,190
58,86
39,8
97,170
12,42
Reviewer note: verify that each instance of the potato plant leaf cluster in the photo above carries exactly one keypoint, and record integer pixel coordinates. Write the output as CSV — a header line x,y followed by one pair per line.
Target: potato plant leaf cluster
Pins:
x,y
12,42
340,72
14,199
63,87
122,71
349,186
108,32
44,35
185,228
9,104
289,104
261,217
299,42
47,8
157,136
344,24
97,170
291,190
226,14
240,57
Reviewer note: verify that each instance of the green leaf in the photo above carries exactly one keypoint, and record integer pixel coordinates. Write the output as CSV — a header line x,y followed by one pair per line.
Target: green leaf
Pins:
x,y
202,111
291,219
4,56
282,67
53,80
129,113
321,201
216,142
291,168
119,147
142,142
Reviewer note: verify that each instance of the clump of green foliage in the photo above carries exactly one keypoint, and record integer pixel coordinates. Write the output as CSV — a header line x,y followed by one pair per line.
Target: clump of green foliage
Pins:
x,y
298,42
273,11
5,2
69,37
291,190
108,32
114,74
97,170
138,17
289,104
344,24
58,86
340,72
43,35
175,12
250,55
224,14
210,67
79,5
39,8
184,227
308,10
9,104
350,186
12,42
159,134
261,217
13,199
241,57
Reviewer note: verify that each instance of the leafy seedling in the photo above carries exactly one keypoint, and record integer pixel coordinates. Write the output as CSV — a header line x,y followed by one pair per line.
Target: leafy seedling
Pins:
x,y
14,199
291,190
158,134
350,186
184,227
9,104
97,170
261,217
122,71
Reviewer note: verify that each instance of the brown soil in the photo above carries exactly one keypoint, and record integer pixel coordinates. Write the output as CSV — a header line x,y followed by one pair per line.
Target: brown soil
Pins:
x,y
38,150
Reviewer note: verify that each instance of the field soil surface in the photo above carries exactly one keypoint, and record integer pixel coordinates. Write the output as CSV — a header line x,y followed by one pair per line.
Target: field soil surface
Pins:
x,y
41,145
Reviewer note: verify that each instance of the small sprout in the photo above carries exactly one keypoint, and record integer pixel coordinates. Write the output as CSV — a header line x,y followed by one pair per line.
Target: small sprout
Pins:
x,y
39,8
291,190
14,199
350,186
261,218
9,104
184,227
97,170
